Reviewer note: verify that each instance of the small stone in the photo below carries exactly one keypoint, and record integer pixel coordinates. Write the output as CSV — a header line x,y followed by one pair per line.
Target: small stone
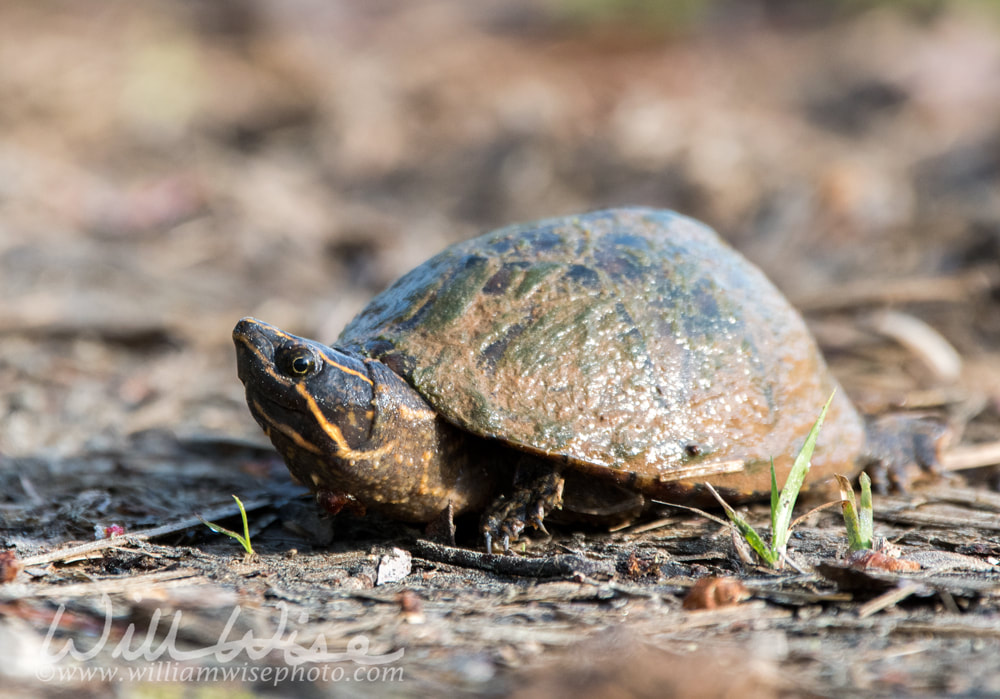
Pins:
x,y
714,592
394,566
9,566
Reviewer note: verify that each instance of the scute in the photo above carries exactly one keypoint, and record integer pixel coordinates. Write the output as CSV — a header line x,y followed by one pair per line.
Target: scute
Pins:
x,y
629,340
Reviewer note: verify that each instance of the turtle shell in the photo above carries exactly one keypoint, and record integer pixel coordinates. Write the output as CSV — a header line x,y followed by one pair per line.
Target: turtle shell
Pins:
x,y
629,340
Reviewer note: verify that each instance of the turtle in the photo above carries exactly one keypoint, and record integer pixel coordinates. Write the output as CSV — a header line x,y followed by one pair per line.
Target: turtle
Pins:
x,y
584,366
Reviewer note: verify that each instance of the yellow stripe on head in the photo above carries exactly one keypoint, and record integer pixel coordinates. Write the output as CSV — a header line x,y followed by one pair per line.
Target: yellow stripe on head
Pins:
x,y
284,429
344,450
346,370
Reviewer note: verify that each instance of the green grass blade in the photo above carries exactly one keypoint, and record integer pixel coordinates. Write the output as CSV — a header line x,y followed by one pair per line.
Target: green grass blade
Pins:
x,y
243,538
219,529
793,484
774,499
855,540
756,543
246,527
866,515
748,532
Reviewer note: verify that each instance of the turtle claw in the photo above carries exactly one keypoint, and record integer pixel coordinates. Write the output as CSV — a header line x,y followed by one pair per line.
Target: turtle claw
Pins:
x,y
507,517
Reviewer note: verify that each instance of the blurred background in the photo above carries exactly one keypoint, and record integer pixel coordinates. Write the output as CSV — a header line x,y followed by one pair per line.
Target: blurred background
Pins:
x,y
168,167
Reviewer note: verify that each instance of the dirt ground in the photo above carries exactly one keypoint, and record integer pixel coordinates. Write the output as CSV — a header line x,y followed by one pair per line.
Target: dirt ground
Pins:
x,y
167,168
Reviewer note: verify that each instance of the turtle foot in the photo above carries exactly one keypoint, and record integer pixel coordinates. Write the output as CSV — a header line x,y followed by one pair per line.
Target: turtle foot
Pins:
x,y
903,449
507,517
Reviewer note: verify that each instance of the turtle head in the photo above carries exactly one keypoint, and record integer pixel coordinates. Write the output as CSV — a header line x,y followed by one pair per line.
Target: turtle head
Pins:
x,y
310,399
349,425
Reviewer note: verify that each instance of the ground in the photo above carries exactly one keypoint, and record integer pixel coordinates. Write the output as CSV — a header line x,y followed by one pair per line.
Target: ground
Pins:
x,y
167,168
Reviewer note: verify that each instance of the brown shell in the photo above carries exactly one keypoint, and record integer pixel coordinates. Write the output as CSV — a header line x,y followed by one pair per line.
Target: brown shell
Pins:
x,y
631,340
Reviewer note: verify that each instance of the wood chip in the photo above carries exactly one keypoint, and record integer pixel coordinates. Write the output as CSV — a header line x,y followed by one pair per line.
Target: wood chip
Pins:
x,y
943,516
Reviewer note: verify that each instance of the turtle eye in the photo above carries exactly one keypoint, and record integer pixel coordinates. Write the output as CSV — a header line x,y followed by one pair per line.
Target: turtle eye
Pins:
x,y
303,365
297,362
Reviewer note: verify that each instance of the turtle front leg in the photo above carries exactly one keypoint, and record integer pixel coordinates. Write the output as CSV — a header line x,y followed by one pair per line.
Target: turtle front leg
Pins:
x,y
902,449
506,518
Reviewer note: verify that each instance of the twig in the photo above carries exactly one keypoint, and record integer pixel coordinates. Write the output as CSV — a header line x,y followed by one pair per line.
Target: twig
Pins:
x,y
564,565
629,528
889,599
972,456
897,291
114,585
917,336
29,490
220,512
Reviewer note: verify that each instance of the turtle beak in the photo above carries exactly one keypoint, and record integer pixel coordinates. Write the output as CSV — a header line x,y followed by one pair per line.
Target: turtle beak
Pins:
x,y
254,347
